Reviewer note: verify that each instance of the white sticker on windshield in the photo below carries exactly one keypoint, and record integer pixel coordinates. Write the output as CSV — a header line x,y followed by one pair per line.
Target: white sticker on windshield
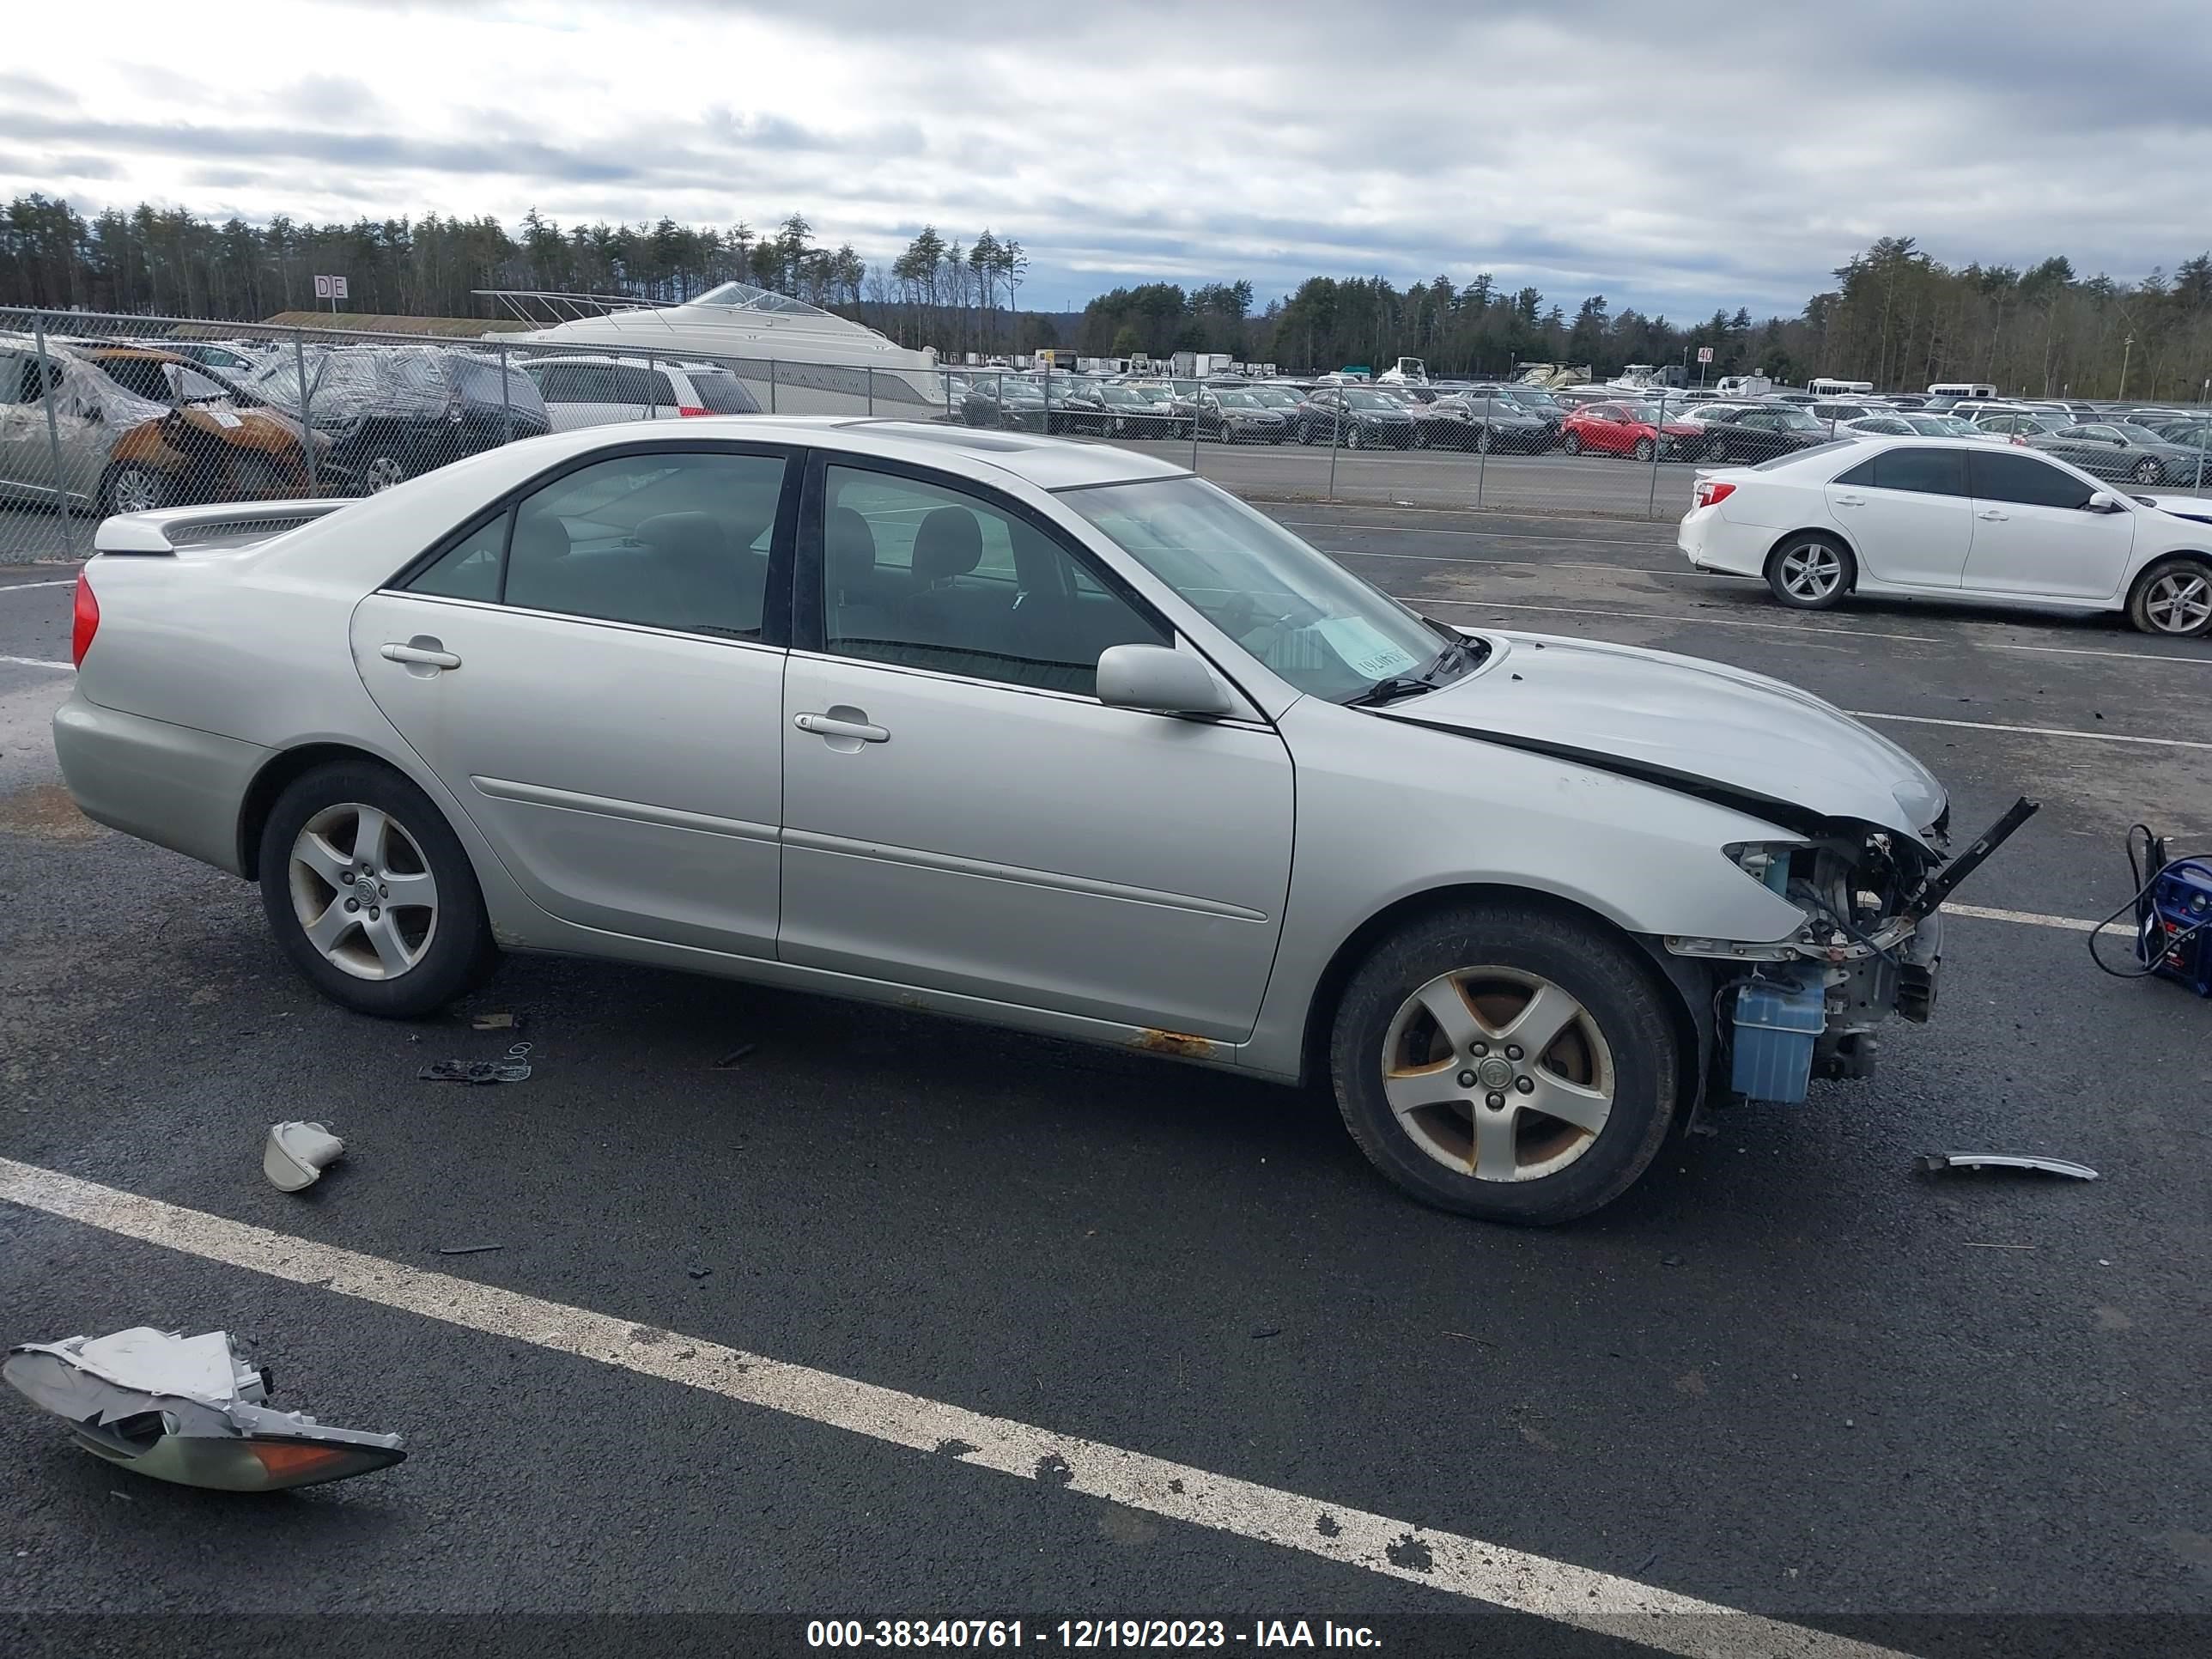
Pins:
x,y
1364,646
224,417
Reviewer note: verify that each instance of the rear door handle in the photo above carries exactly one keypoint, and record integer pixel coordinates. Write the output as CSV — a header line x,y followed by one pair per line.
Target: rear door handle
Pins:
x,y
1850,500
825,726
1993,515
421,655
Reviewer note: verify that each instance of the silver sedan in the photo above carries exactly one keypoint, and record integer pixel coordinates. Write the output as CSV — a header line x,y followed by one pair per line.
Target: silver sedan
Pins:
x,y
1042,734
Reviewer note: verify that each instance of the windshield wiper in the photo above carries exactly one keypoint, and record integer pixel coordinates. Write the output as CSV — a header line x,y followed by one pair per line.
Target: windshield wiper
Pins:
x,y
1392,686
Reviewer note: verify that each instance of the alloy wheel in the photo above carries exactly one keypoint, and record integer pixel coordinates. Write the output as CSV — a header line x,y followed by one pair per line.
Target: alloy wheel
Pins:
x,y
363,891
2148,471
1812,571
1497,1073
382,472
2178,602
135,490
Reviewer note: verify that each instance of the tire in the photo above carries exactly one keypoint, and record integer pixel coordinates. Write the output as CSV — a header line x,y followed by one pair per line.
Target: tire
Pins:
x,y
1352,438
131,487
425,961
1571,443
2173,599
2149,470
1485,442
1622,1084
382,467
1646,449
1811,571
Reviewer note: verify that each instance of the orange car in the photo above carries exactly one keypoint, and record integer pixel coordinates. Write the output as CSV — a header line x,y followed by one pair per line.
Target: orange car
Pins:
x,y
139,428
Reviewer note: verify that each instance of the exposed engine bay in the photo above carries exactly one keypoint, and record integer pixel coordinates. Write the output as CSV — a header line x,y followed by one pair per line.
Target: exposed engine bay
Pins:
x,y
1791,1009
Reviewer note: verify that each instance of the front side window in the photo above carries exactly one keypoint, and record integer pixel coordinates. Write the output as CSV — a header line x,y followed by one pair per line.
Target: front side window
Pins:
x,y
927,576
667,538
2009,475
1313,622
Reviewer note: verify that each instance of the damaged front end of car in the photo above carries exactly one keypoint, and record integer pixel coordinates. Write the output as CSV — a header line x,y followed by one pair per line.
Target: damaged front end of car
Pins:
x,y
1791,1009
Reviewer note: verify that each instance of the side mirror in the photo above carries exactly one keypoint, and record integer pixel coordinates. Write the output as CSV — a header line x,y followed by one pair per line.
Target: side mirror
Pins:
x,y
2100,501
1158,680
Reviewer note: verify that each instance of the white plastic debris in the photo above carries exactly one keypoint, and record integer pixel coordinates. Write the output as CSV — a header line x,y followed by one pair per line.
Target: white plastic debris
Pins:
x,y
295,1155
186,1409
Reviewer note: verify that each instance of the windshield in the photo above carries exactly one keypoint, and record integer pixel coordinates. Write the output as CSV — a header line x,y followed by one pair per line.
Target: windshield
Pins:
x,y
1236,400
2142,434
1358,399
1793,419
1273,397
1120,394
1316,624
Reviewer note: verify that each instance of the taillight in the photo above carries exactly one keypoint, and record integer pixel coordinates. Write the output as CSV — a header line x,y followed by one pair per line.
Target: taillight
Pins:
x,y
1710,492
691,409
84,620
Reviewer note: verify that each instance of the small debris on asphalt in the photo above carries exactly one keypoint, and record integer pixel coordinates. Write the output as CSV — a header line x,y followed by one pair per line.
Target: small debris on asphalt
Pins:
x,y
1938,1163
698,1273
1479,1342
1670,1261
735,1055
516,1068
495,1021
1266,1331
467,1249
294,1155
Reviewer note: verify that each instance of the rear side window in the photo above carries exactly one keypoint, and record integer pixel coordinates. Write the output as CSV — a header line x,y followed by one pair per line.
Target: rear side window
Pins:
x,y
723,392
1922,472
647,388
2002,476
576,383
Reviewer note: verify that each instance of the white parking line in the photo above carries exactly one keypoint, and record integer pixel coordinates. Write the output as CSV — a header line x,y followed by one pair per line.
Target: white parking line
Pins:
x,y
1815,630
18,587
1527,564
2026,918
1666,545
2031,730
40,662
1468,1567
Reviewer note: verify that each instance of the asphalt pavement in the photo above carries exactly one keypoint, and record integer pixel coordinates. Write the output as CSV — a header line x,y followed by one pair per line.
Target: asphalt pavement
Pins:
x,y
1786,1375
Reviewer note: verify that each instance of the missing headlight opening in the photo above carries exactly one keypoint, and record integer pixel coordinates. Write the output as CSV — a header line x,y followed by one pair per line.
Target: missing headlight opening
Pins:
x,y
1806,1005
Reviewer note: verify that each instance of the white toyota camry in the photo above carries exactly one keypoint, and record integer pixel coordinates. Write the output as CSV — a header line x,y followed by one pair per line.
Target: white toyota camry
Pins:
x,y
1935,519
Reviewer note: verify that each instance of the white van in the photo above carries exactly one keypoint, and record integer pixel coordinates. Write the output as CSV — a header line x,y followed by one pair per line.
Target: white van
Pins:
x,y
1962,389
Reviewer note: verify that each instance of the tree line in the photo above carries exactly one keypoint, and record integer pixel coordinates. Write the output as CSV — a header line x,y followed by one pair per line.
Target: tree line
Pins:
x,y
1896,316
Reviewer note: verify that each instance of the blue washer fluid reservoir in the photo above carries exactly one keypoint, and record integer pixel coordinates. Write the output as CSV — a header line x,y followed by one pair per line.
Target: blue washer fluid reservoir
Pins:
x,y
1777,1021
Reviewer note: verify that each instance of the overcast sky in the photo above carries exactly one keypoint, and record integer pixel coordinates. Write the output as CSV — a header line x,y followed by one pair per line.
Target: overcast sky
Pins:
x,y
1676,156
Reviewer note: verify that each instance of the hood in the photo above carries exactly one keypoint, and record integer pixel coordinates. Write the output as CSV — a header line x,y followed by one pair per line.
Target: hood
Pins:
x,y
1712,730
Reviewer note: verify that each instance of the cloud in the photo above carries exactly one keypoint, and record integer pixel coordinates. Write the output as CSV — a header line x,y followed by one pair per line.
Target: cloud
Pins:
x,y
1706,153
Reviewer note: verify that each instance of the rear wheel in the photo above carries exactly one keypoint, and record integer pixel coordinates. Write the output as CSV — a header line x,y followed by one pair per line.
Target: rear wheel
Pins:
x,y
382,467
1571,443
1810,571
2150,470
1483,442
1506,1062
2174,597
370,893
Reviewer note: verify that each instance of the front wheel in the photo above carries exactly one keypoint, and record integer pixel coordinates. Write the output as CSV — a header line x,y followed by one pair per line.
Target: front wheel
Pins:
x,y
2150,470
2174,597
1646,449
371,894
1352,438
1507,1062
132,488
1810,572
382,470
1483,442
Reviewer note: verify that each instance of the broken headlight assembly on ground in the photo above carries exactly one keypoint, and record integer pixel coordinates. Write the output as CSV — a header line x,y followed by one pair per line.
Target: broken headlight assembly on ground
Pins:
x,y
186,1409
1790,1010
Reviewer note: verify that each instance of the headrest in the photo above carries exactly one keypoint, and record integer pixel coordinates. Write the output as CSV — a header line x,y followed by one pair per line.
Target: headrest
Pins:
x,y
948,544
848,546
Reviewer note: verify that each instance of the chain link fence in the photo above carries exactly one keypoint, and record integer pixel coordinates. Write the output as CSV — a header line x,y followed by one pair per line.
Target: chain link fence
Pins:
x,y
107,414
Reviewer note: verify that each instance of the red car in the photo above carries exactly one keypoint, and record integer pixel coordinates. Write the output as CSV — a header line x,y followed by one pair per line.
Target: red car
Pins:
x,y
1630,429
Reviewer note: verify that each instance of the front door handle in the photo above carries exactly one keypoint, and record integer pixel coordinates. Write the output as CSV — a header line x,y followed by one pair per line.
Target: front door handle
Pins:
x,y
1993,516
422,656
828,726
